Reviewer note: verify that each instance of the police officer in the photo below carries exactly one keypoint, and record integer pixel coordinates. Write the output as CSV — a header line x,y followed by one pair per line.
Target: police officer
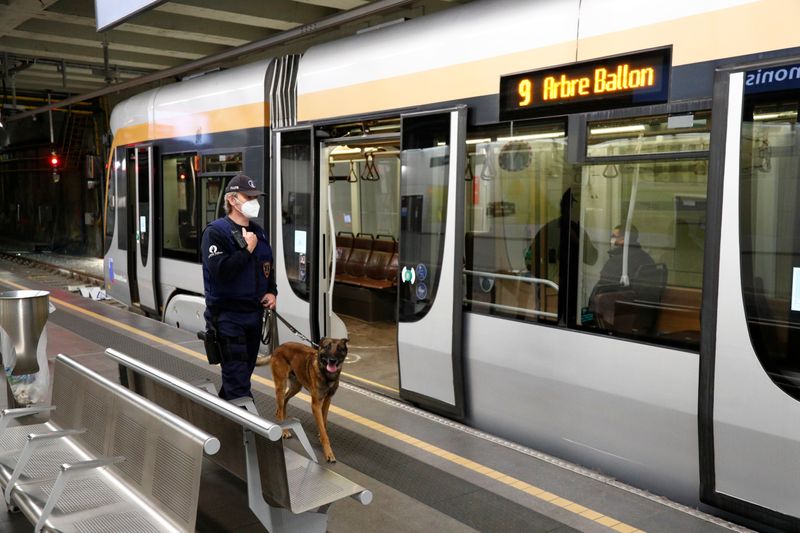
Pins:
x,y
239,283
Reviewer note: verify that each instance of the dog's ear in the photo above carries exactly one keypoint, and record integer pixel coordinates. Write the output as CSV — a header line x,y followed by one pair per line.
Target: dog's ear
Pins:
x,y
345,341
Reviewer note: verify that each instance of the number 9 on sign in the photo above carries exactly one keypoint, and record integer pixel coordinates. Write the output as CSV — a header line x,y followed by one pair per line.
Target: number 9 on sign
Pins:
x,y
525,90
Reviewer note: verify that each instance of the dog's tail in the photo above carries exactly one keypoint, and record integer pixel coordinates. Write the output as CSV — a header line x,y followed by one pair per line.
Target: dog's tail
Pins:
x,y
263,359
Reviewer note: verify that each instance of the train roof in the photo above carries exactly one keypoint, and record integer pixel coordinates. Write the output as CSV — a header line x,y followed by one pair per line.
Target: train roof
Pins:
x,y
461,52
206,103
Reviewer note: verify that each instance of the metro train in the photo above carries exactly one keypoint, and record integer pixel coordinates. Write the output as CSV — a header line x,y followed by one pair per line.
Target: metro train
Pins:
x,y
577,219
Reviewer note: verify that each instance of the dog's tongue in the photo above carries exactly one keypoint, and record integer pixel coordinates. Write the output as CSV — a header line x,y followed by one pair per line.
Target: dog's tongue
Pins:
x,y
331,367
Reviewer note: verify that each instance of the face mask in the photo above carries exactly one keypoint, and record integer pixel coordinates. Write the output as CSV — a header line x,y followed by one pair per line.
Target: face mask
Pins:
x,y
250,208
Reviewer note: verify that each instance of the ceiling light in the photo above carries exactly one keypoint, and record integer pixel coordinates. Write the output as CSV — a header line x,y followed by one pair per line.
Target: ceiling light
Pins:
x,y
617,129
533,136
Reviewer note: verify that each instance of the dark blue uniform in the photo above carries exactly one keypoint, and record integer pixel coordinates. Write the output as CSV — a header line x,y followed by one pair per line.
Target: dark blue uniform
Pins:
x,y
235,282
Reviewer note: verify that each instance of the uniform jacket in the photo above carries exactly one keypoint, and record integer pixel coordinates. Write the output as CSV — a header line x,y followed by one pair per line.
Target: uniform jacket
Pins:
x,y
234,278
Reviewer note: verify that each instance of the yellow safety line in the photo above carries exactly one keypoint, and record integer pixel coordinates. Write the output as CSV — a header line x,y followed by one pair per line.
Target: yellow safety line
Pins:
x,y
385,430
374,384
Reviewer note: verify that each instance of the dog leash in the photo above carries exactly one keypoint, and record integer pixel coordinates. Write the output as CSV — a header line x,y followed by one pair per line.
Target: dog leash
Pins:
x,y
293,329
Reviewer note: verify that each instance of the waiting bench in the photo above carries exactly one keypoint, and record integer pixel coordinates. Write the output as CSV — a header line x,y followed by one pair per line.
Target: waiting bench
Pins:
x,y
107,460
286,491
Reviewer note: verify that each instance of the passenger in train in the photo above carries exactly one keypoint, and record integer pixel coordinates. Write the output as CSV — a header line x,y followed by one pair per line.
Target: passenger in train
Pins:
x,y
239,283
544,253
645,280
611,274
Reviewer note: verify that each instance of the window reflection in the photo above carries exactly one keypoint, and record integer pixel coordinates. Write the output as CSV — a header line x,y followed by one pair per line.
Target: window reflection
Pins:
x,y
648,220
614,245
513,230
179,224
770,248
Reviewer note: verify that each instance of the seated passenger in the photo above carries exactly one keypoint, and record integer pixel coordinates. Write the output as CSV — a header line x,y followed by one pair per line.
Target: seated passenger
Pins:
x,y
611,274
645,278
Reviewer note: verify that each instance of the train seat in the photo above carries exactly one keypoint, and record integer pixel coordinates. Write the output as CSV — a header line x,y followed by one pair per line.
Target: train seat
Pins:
x,y
344,247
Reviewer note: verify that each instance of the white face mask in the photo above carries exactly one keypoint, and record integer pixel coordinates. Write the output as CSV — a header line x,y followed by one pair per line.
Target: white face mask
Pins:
x,y
250,208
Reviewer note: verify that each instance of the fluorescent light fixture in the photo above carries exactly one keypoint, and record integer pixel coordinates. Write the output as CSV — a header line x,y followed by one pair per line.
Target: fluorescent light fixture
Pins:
x,y
772,116
617,129
533,136
344,149
478,141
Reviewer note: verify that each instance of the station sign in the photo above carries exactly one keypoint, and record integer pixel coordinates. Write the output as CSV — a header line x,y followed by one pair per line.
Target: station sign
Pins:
x,y
634,79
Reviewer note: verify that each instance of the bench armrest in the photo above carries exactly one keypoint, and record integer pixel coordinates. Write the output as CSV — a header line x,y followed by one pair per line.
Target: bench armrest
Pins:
x,y
35,440
53,435
6,415
68,471
295,426
71,469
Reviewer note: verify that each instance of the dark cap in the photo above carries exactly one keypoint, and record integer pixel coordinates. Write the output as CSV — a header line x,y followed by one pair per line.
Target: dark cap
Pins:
x,y
243,184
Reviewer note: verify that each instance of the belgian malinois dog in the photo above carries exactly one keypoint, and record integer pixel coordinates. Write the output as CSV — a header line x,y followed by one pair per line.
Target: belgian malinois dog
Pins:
x,y
318,371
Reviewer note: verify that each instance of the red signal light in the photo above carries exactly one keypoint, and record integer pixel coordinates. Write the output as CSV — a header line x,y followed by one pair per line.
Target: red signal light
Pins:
x,y
54,160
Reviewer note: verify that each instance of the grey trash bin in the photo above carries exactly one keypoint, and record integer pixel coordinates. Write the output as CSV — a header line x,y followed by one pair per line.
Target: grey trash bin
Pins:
x,y
23,315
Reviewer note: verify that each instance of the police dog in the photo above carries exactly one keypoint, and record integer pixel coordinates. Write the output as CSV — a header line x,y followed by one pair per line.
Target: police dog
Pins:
x,y
316,370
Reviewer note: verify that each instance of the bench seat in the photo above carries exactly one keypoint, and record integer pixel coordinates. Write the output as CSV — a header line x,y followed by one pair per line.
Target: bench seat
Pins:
x,y
288,491
107,460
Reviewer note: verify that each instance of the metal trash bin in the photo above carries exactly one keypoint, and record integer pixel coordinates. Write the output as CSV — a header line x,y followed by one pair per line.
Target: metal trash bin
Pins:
x,y
23,315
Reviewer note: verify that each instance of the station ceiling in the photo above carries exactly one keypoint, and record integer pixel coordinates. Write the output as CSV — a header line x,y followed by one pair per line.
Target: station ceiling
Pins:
x,y
52,45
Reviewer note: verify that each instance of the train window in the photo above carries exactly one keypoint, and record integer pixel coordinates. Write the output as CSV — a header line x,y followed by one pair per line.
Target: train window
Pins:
x,y
179,206
517,182
690,132
770,233
424,165
222,163
365,188
143,194
297,182
647,219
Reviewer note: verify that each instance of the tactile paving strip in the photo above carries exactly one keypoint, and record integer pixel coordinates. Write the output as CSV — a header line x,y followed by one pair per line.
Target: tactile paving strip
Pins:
x,y
459,499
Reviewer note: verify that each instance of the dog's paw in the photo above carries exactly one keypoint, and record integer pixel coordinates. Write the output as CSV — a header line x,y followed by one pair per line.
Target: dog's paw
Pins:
x,y
330,458
287,434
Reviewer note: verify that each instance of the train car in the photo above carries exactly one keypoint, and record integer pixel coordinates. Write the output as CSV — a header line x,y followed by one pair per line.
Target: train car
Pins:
x,y
574,222
174,149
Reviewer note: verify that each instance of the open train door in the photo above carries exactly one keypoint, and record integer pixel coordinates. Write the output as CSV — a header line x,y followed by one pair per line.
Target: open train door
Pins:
x,y
295,208
430,295
749,371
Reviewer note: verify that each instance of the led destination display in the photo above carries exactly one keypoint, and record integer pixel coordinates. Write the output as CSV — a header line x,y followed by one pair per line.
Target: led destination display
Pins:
x,y
635,79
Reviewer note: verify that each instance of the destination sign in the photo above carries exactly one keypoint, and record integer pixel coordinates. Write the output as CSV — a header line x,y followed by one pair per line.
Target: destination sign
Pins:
x,y
773,79
635,79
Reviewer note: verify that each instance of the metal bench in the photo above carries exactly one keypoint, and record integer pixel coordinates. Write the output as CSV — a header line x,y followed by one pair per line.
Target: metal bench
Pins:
x,y
286,490
107,460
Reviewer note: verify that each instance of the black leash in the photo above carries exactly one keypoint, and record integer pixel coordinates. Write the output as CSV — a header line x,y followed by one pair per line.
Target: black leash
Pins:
x,y
291,327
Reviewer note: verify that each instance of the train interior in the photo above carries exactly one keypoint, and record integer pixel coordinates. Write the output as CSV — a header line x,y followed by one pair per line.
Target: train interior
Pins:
x,y
643,178
361,167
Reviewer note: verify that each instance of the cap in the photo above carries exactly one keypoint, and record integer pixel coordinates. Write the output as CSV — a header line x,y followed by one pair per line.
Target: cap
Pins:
x,y
243,184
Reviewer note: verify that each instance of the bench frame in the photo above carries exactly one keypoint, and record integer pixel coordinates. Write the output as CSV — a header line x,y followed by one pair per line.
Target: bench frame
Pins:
x,y
256,431
139,500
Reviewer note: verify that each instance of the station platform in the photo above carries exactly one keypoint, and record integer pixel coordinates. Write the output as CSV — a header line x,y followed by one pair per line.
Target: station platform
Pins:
x,y
426,473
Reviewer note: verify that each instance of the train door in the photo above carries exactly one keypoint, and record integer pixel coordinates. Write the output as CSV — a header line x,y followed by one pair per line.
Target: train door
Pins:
x,y
430,294
296,211
360,194
142,264
750,367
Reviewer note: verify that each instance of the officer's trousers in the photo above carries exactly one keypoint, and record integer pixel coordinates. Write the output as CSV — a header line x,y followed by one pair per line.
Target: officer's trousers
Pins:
x,y
240,336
